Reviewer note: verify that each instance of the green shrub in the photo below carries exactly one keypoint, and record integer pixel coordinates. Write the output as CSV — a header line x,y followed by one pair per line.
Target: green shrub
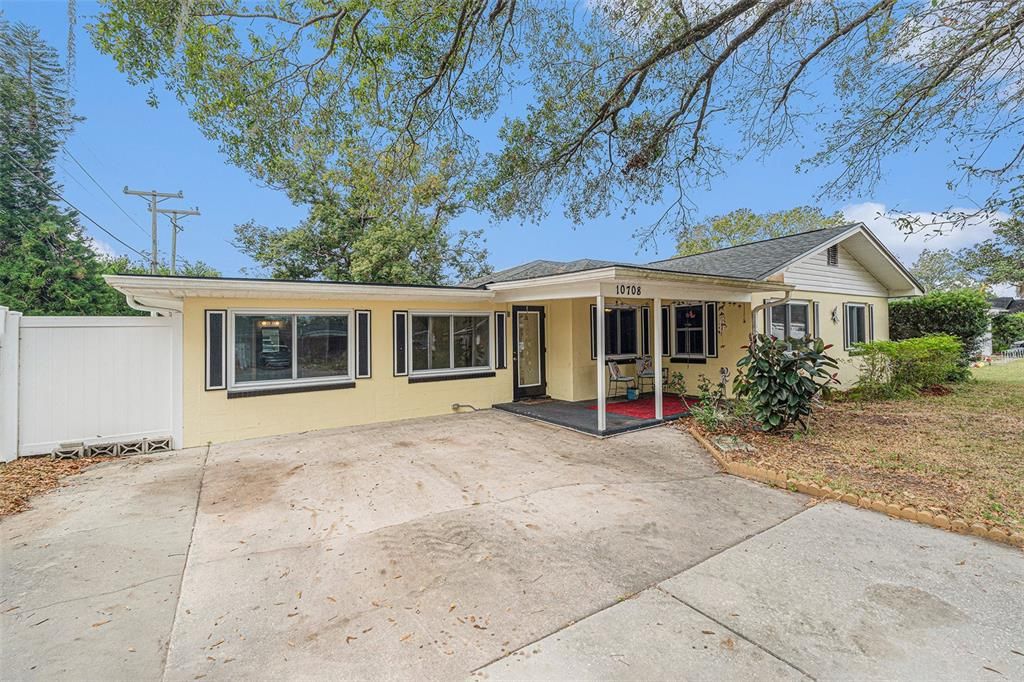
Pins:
x,y
1006,329
781,379
710,410
895,369
963,314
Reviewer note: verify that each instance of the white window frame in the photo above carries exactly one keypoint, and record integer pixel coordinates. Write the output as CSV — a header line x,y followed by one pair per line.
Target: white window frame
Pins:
x,y
348,377
847,342
770,312
674,337
451,343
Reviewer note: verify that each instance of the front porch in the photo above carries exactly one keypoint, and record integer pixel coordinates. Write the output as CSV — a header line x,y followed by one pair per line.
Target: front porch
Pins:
x,y
578,344
621,415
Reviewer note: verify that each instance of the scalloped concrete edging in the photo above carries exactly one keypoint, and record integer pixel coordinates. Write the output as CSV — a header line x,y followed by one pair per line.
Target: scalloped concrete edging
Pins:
x,y
779,479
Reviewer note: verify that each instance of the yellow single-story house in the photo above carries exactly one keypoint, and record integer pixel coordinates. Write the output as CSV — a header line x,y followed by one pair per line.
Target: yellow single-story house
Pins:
x,y
549,340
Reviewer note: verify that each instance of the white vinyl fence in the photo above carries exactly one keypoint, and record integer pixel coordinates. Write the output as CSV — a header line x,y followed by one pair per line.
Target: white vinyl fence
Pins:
x,y
87,379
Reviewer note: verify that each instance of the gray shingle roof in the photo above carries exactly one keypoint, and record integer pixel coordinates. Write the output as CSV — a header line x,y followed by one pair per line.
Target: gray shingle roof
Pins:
x,y
756,260
539,268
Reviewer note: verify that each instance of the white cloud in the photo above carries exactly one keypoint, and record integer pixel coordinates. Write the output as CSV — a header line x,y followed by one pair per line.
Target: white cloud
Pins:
x,y
101,247
907,247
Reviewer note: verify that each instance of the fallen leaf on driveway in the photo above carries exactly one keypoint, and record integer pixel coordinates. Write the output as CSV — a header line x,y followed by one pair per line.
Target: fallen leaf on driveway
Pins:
x,y
102,622
349,639
707,632
405,637
728,643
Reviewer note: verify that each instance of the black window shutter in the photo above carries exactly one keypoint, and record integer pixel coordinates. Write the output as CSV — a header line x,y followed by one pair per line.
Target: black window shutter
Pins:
x,y
871,321
645,331
817,321
711,329
499,340
400,317
666,333
593,332
363,362
215,350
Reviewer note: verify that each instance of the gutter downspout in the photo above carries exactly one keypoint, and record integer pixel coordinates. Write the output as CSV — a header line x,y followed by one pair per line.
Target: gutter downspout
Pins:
x,y
771,304
134,304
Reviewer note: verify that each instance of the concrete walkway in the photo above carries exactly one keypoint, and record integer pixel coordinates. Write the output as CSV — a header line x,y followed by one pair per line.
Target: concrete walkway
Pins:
x,y
485,545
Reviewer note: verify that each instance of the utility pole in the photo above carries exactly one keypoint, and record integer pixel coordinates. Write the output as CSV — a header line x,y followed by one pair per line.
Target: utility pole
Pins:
x,y
174,214
154,199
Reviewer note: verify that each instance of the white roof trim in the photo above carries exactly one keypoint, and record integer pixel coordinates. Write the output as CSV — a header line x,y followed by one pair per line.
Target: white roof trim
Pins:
x,y
167,290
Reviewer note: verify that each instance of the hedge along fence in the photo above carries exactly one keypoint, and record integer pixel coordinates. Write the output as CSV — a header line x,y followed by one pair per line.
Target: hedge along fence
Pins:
x,y
892,369
1006,329
963,314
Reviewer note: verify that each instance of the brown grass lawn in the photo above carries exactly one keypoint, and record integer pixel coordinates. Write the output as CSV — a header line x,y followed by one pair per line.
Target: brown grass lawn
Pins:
x,y
960,454
23,478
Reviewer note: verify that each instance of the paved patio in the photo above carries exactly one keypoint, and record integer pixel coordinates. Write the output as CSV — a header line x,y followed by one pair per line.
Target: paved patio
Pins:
x,y
485,544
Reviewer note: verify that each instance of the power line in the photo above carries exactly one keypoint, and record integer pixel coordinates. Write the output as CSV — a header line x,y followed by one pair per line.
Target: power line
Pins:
x,y
105,192
78,163
80,211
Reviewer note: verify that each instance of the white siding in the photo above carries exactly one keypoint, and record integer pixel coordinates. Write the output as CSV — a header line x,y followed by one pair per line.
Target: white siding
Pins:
x,y
813,273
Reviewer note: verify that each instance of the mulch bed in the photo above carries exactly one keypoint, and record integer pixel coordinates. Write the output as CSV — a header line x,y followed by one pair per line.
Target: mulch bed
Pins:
x,y
932,453
28,476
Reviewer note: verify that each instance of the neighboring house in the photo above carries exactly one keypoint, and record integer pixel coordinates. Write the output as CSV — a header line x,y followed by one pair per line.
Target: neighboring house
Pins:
x,y
1000,305
262,357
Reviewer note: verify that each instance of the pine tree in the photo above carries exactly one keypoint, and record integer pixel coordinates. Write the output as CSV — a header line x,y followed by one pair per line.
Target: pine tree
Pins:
x,y
47,266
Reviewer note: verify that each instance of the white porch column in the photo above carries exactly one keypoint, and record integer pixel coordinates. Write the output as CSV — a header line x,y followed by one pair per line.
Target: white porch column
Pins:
x,y
659,412
601,398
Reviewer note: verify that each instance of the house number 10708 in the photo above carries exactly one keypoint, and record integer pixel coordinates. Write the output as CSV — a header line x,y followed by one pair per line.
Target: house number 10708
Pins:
x,y
627,289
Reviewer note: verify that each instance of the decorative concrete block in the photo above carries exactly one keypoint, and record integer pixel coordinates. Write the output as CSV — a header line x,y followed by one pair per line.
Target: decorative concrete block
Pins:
x,y
850,498
102,450
942,521
879,506
958,526
909,513
158,444
925,517
69,451
998,534
893,510
131,447
979,529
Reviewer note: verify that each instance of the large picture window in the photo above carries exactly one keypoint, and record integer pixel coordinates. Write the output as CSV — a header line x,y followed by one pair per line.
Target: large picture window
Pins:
x,y
689,330
789,321
274,348
450,342
621,332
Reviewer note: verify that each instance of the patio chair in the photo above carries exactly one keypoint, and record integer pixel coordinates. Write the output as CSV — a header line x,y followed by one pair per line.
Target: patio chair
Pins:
x,y
617,378
644,372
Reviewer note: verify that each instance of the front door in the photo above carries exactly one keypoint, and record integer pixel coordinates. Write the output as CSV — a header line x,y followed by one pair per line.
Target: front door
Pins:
x,y
528,352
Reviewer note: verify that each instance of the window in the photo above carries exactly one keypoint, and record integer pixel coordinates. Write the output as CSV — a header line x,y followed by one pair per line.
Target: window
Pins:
x,y
790,321
290,348
450,342
832,255
856,331
689,330
620,332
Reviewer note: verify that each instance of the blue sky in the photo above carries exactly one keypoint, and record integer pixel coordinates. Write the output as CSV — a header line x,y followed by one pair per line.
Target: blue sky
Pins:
x,y
123,141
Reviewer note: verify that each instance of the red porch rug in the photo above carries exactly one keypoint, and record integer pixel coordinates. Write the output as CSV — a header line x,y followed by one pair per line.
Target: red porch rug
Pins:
x,y
643,408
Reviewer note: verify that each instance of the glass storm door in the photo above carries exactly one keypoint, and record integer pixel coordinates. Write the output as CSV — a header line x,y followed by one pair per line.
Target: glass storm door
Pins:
x,y
528,352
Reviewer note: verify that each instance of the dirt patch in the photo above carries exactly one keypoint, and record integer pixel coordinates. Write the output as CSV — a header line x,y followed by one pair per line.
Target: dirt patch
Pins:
x,y
238,487
957,452
24,478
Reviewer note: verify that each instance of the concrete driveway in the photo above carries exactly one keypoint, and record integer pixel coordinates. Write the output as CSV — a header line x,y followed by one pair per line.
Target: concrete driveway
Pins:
x,y
486,545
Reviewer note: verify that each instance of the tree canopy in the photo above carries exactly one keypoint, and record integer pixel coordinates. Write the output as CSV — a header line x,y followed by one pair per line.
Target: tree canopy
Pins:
x,y
743,225
614,105
47,264
941,270
1000,260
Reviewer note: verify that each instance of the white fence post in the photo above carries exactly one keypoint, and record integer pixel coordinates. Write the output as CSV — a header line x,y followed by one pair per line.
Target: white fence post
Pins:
x,y
10,324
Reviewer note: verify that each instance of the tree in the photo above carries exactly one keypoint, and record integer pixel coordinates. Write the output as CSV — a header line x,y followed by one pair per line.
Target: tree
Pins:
x,y
743,225
619,104
1007,329
963,314
1000,260
941,270
47,266
125,266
